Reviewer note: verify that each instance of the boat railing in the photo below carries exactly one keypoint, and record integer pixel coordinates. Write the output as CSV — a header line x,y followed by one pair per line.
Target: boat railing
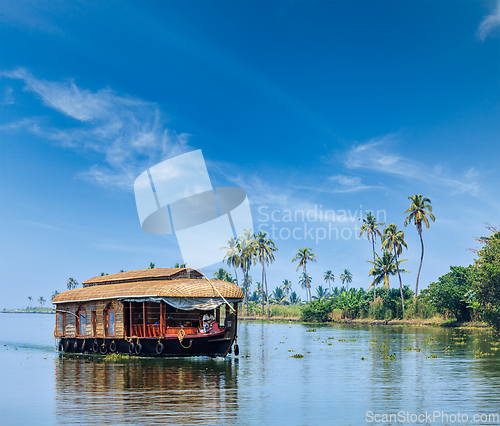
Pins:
x,y
153,330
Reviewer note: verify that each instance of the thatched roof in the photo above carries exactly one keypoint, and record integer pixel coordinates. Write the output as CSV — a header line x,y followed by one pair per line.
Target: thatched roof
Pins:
x,y
144,275
155,288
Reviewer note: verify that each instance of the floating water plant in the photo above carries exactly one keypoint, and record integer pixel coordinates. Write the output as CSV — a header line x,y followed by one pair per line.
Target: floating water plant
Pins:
x,y
431,356
297,356
116,357
311,330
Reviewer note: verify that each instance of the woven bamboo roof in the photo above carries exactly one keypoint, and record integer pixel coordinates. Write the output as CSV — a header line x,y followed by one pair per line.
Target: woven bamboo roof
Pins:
x,y
155,288
143,275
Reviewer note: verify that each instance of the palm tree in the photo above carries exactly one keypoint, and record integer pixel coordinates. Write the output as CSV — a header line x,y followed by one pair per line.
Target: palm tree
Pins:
x,y
321,293
53,296
303,256
392,239
177,265
370,227
329,277
151,265
103,274
383,267
294,299
41,300
305,283
346,277
418,214
71,283
279,296
232,257
287,286
246,247
223,275
265,249
30,298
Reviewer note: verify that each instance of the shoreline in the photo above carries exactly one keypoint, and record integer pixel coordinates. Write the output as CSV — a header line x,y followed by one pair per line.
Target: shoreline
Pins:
x,y
365,321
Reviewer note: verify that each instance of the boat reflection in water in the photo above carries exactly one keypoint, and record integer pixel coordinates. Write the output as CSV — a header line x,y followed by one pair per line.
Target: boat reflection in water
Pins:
x,y
90,390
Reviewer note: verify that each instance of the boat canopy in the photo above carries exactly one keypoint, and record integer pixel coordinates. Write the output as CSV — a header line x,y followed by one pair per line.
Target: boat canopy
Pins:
x,y
184,303
177,293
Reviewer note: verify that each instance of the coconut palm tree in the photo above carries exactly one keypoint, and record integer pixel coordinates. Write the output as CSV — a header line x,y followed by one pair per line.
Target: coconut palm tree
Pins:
x,y
53,296
151,265
303,256
222,275
232,257
329,277
346,277
246,247
71,283
305,283
383,267
321,293
30,298
265,249
287,286
294,299
177,265
370,227
279,296
394,240
41,300
419,209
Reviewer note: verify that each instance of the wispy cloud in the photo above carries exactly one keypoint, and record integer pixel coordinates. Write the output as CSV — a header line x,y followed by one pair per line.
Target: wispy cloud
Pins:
x,y
348,183
489,23
36,225
374,155
130,133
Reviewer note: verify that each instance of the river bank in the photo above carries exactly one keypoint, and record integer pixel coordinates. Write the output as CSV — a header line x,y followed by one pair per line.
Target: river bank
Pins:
x,y
28,311
435,322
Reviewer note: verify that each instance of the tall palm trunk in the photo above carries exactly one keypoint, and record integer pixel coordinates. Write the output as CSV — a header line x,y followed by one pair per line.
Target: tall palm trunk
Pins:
x,y
400,281
421,259
245,282
373,244
267,299
262,287
308,287
235,274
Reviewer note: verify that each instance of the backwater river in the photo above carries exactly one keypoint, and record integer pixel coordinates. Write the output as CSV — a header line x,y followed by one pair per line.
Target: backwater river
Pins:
x,y
348,375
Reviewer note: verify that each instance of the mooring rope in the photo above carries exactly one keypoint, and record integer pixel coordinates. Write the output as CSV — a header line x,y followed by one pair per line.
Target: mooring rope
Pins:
x,y
180,336
217,290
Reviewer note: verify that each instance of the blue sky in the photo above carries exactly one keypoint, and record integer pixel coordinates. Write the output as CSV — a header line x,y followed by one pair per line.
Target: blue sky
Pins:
x,y
306,105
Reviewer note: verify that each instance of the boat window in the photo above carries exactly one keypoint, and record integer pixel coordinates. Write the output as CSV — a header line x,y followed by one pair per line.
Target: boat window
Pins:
x,y
94,324
81,321
110,320
60,324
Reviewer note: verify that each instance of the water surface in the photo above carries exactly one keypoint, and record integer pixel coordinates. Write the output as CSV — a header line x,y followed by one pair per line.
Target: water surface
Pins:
x,y
345,372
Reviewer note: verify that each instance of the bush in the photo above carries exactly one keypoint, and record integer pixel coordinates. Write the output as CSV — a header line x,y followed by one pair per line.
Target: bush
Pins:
x,y
315,311
487,280
449,293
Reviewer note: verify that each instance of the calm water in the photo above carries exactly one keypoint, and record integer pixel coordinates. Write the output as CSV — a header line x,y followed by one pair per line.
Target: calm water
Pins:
x,y
331,384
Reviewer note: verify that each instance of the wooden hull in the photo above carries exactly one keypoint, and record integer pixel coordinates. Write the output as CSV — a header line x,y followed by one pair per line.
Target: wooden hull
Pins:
x,y
211,344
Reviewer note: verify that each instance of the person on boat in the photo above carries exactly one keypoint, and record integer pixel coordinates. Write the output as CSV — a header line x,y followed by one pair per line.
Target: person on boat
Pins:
x,y
208,321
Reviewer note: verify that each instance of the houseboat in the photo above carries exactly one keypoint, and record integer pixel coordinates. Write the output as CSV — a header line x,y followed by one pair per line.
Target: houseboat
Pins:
x,y
164,312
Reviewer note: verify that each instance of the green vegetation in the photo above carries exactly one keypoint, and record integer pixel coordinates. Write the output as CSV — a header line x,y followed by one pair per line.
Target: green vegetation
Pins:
x,y
487,280
447,295
116,357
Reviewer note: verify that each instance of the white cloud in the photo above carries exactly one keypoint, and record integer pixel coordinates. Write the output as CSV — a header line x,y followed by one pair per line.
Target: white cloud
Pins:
x,y
373,155
489,23
347,183
130,133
